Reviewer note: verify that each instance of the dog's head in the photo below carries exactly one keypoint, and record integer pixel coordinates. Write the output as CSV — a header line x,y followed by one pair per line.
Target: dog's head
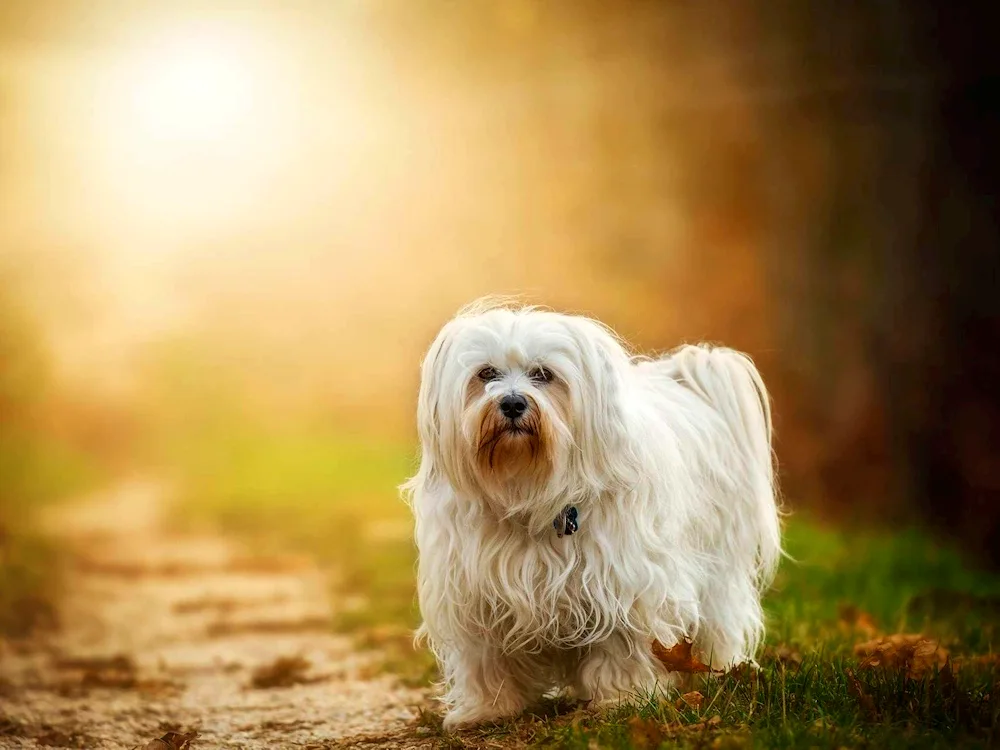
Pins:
x,y
522,407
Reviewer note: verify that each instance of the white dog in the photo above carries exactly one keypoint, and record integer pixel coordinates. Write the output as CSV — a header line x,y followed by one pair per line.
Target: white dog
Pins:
x,y
535,425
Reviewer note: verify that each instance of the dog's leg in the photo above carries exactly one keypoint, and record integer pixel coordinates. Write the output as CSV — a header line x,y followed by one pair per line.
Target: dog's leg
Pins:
x,y
485,686
733,624
618,669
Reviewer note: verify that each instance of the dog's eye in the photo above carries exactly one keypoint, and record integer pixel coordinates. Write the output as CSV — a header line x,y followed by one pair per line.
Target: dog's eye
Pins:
x,y
488,374
541,374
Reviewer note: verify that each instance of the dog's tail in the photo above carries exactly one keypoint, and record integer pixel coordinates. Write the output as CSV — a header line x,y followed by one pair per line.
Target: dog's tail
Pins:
x,y
729,381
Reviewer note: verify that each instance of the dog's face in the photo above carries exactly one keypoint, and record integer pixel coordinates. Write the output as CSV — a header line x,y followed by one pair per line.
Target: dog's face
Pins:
x,y
520,406
516,413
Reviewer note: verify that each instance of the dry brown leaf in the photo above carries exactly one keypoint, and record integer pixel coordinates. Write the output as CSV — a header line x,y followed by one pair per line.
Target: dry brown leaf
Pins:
x,y
387,635
744,672
928,656
694,699
118,671
786,655
855,688
284,671
117,662
171,741
913,653
645,733
309,624
866,623
679,658
852,618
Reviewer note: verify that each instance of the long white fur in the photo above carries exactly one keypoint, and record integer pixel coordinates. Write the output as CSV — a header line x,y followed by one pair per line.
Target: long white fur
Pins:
x,y
668,461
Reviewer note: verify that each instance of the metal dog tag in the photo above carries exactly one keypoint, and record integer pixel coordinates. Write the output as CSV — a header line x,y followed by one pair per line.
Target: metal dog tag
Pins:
x,y
567,522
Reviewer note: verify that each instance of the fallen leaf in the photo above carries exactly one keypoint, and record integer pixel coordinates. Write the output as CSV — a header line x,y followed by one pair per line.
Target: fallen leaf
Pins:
x,y
852,618
866,623
109,678
855,688
118,671
927,656
745,672
170,741
118,662
912,653
694,699
786,655
387,635
207,604
645,733
678,658
309,624
284,671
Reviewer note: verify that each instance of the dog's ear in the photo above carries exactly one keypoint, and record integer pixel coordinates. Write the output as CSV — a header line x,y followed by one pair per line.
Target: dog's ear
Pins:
x,y
600,433
438,402
429,402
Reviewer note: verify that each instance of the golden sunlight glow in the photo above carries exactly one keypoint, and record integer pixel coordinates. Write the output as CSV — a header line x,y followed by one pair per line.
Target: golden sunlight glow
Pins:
x,y
200,88
194,123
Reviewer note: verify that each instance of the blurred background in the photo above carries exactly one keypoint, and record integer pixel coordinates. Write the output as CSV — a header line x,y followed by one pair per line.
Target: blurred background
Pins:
x,y
229,230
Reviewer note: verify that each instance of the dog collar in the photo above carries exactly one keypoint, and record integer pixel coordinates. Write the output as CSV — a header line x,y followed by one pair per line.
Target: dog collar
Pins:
x,y
567,522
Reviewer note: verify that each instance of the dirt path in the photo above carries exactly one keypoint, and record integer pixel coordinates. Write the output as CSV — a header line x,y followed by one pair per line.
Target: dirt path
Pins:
x,y
165,632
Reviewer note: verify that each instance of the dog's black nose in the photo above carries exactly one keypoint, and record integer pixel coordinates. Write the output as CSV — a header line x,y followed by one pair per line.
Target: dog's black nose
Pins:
x,y
513,405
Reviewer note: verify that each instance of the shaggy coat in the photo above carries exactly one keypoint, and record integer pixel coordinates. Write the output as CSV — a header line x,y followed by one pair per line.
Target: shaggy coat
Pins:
x,y
668,462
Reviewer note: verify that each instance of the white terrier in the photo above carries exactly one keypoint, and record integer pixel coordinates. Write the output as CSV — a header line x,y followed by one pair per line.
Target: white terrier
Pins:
x,y
574,503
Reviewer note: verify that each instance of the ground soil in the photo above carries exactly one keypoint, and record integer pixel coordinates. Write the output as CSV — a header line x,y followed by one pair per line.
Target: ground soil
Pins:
x,y
174,632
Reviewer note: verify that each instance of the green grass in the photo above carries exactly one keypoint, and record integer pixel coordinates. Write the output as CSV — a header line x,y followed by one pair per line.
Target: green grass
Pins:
x,y
34,472
905,580
336,499
781,706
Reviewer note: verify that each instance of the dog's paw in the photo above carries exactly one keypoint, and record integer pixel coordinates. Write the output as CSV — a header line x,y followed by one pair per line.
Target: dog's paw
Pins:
x,y
598,705
462,717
